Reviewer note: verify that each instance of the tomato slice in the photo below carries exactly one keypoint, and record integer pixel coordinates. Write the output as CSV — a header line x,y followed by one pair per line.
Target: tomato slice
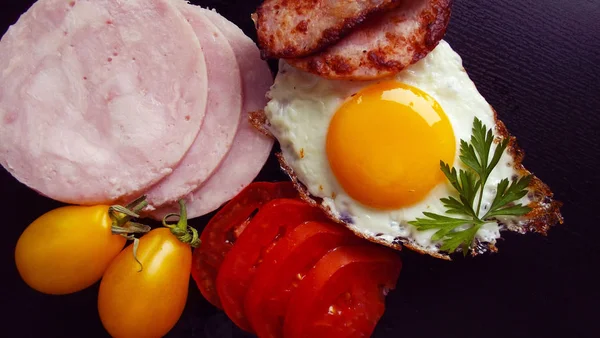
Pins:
x,y
364,306
271,223
283,268
223,229
343,295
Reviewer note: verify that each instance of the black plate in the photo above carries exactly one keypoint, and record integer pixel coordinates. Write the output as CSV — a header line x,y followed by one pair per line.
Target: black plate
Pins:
x,y
538,63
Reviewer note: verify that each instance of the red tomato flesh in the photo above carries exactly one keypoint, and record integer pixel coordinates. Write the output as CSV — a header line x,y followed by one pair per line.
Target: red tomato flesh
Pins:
x,y
271,223
343,295
284,267
353,314
224,228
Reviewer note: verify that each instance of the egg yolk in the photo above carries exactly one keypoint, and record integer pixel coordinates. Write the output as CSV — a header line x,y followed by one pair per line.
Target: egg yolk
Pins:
x,y
385,144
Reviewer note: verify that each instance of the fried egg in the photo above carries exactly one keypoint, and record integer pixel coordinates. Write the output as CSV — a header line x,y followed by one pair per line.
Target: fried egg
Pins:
x,y
370,152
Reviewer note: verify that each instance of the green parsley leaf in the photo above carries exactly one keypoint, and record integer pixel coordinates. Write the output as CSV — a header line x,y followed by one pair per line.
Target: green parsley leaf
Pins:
x,y
459,232
507,194
462,239
435,221
466,184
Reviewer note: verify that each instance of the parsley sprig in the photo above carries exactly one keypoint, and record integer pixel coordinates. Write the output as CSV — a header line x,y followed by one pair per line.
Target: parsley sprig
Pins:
x,y
458,227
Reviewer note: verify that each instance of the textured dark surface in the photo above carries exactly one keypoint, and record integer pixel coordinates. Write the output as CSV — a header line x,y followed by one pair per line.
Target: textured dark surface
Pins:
x,y
538,63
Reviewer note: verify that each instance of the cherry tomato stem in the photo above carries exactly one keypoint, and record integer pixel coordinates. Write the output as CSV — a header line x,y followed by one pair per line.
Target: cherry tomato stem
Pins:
x,y
121,218
181,230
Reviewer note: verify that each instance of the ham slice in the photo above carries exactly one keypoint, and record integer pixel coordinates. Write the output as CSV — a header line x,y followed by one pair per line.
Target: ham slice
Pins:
x,y
250,148
99,99
222,118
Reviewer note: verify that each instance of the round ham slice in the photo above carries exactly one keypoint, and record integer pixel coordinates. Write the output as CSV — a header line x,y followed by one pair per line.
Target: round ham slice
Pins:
x,y
222,118
250,148
99,99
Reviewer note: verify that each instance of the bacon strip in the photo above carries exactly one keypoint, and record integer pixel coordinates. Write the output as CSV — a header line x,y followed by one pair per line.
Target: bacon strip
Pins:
x,y
291,29
383,45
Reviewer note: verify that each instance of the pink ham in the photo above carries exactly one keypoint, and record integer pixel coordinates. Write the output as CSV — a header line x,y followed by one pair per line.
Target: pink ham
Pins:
x,y
99,99
250,148
222,118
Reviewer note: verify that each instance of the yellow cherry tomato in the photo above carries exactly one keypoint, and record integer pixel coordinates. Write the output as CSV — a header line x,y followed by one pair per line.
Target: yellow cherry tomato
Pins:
x,y
67,249
146,298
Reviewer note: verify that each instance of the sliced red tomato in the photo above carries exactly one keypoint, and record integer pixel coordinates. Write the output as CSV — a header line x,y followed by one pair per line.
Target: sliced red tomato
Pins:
x,y
283,268
343,295
224,228
271,223
354,315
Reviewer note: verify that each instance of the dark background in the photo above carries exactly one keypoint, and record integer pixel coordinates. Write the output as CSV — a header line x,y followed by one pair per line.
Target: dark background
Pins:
x,y
538,63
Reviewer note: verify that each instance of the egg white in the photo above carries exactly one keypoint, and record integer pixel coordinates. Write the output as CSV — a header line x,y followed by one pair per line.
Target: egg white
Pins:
x,y
302,105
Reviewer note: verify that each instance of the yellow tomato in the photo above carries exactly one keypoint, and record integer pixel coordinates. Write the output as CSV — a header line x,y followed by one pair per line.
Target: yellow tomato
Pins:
x,y
148,302
67,249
